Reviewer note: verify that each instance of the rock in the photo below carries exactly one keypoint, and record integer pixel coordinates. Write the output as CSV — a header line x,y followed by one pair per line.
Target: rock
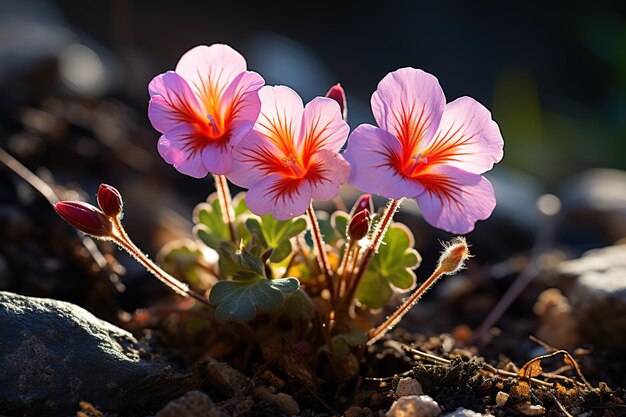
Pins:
x,y
501,398
54,354
596,201
557,325
408,386
598,294
283,401
192,404
463,412
355,411
414,406
531,410
227,380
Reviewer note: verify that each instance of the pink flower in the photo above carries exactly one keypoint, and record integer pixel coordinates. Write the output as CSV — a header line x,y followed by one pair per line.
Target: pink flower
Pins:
x,y
292,155
428,150
208,103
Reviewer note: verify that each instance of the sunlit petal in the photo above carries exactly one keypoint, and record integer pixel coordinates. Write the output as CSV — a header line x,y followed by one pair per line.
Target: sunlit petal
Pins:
x,y
374,156
409,104
283,197
179,148
322,127
327,173
454,200
172,102
467,138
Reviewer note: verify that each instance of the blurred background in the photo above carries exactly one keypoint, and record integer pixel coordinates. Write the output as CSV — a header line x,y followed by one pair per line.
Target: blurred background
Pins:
x,y
73,101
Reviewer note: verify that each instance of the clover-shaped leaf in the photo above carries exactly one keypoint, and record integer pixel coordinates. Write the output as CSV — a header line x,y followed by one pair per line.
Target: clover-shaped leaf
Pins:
x,y
343,342
276,234
392,265
240,300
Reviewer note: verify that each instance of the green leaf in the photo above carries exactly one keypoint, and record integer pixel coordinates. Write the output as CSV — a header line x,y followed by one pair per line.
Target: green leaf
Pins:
x,y
240,300
344,341
184,259
276,234
392,266
210,227
239,263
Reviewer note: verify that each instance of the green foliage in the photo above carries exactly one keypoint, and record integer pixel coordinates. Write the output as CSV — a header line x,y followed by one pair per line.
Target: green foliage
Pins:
x,y
210,226
185,259
392,265
239,300
343,342
275,234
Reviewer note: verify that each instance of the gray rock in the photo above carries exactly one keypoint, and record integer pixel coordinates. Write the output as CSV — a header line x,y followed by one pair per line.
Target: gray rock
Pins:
x,y
408,386
192,404
598,294
597,200
54,354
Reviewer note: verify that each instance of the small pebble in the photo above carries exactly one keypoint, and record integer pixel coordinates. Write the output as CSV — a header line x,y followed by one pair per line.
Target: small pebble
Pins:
x,y
408,386
414,406
464,412
531,410
501,398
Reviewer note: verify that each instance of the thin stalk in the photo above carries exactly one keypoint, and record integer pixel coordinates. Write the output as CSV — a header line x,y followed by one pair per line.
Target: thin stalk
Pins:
x,y
122,239
404,308
379,234
228,214
344,264
321,252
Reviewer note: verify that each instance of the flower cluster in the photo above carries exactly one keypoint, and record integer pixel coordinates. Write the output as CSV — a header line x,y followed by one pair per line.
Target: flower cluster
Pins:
x,y
217,117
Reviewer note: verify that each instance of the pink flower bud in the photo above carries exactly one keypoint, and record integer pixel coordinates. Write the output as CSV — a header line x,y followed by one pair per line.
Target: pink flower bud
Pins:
x,y
85,218
359,225
364,202
110,200
337,93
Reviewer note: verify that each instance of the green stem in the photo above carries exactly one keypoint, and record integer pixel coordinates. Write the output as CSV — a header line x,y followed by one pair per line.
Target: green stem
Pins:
x,y
225,200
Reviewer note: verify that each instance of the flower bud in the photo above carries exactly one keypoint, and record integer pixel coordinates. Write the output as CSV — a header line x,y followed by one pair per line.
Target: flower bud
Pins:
x,y
359,225
364,202
110,200
85,218
453,257
337,93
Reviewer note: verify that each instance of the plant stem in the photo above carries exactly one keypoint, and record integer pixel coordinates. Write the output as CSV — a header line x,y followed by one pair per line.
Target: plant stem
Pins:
x,y
381,229
343,265
122,239
404,308
321,252
223,195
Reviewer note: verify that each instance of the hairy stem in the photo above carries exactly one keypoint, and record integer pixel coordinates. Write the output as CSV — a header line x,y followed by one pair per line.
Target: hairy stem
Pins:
x,y
379,234
228,214
321,252
123,240
343,265
392,320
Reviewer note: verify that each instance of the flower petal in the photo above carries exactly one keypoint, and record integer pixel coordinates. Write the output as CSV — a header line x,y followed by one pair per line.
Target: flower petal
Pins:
x,y
240,102
172,102
467,138
408,104
217,157
322,127
454,199
254,157
281,117
179,147
373,155
283,197
327,173
210,70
